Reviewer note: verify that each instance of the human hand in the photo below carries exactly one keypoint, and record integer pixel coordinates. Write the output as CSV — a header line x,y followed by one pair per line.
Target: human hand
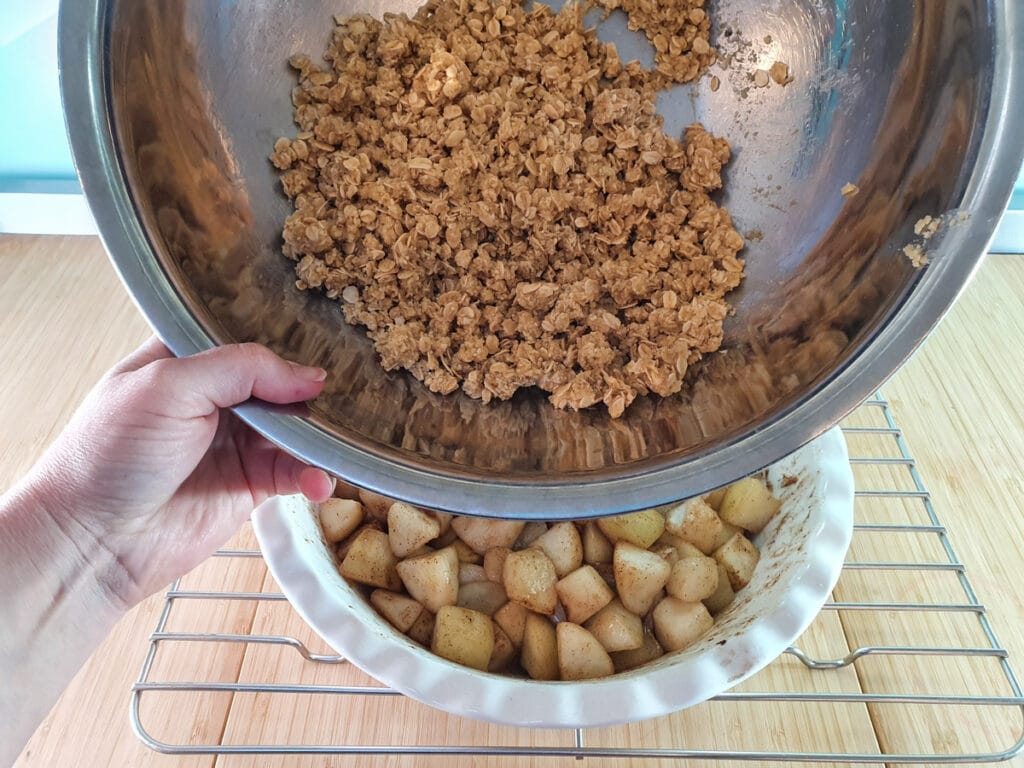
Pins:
x,y
154,471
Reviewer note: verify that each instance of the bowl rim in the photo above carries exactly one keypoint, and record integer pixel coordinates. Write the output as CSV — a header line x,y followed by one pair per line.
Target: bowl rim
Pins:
x,y
285,529
84,56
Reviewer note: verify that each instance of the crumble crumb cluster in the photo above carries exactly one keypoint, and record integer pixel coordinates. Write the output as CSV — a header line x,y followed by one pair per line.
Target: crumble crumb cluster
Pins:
x,y
489,191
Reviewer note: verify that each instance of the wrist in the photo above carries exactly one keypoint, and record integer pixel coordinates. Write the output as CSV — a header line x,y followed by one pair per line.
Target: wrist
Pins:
x,y
56,607
47,550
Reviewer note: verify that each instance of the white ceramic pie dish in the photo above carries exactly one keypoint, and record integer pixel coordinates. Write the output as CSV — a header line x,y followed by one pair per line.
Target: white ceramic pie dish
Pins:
x,y
802,552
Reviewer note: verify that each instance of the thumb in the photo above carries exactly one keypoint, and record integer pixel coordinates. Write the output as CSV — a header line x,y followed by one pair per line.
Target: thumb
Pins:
x,y
199,385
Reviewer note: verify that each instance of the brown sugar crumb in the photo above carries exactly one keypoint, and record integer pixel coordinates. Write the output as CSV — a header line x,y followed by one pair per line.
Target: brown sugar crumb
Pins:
x,y
849,190
927,227
489,191
779,72
916,254
679,30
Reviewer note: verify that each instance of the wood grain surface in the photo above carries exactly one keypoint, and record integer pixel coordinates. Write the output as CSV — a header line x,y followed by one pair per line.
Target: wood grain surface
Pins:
x,y
64,319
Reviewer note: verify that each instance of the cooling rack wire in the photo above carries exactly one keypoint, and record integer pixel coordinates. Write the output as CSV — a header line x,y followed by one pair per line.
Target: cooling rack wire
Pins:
x,y
902,666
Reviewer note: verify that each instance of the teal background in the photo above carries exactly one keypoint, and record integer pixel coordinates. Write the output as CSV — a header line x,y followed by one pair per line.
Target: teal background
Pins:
x,y
33,144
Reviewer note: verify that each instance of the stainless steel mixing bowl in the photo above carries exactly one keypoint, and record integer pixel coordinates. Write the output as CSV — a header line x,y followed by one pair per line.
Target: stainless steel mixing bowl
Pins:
x,y
173,107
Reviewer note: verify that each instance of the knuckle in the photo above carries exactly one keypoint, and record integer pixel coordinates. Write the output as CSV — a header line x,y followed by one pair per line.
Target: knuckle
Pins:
x,y
152,377
254,354
139,387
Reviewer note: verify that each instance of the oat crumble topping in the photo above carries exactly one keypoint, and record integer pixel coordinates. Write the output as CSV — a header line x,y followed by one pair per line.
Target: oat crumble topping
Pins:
x,y
489,191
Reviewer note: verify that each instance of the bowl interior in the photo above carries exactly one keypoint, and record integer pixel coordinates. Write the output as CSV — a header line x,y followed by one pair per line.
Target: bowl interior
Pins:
x,y
887,94
802,552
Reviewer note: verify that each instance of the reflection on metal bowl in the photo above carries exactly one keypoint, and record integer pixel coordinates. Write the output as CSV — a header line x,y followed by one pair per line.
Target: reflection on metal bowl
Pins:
x,y
173,108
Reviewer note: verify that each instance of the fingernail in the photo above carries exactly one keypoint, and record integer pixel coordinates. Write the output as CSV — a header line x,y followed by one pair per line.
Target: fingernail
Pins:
x,y
309,372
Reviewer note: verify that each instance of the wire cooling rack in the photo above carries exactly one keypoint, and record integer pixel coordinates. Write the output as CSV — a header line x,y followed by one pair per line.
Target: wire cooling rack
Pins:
x,y
902,666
